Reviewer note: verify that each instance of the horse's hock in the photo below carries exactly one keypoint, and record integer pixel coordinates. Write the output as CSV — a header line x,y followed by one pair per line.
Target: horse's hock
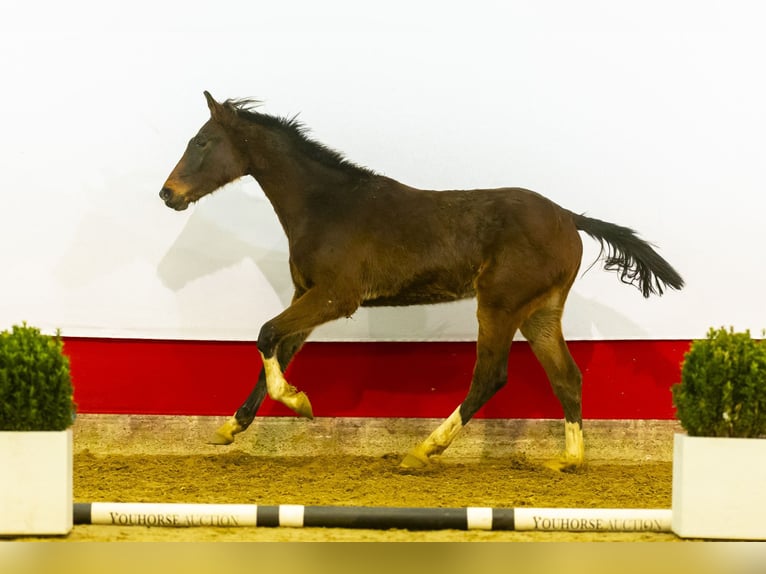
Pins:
x,y
613,440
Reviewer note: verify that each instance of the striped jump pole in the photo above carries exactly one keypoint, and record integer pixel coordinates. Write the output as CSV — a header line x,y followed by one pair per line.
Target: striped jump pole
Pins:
x,y
369,517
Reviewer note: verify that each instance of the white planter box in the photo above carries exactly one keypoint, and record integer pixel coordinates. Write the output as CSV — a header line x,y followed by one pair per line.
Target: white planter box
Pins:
x,y
36,482
719,487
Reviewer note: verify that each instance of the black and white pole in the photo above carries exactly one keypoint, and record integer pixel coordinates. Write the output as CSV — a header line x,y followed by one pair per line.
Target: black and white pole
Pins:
x,y
379,518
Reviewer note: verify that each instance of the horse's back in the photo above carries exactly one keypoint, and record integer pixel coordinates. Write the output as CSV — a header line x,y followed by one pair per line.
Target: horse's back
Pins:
x,y
424,246
487,219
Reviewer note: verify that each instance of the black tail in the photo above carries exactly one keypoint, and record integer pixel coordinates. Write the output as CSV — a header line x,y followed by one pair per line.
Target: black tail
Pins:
x,y
633,258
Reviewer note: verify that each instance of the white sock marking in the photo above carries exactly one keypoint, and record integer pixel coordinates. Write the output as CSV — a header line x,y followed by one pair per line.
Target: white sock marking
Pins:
x,y
443,436
575,447
276,384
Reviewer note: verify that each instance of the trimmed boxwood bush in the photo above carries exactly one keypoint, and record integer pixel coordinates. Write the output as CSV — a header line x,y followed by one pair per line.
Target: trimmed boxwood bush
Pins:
x,y
35,384
722,392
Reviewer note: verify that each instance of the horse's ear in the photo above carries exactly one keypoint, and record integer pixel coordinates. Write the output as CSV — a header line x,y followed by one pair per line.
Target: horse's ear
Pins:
x,y
217,111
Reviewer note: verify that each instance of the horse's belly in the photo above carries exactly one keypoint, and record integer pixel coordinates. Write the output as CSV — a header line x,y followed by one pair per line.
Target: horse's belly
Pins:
x,y
404,299
420,294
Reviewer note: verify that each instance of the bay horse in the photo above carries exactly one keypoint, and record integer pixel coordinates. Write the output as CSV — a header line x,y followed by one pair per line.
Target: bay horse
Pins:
x,y
357,238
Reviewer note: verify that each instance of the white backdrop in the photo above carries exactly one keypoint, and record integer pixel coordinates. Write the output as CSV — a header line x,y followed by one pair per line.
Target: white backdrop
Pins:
x,y
648,114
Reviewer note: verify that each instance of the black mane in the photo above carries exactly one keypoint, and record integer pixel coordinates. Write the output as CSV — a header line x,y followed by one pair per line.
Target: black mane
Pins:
x,y
297,132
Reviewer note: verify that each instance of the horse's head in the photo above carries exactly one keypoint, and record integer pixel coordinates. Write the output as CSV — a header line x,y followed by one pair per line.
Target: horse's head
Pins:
x,y
210,161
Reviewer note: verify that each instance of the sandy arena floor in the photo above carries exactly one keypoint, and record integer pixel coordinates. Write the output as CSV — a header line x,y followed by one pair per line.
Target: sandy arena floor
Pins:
x,y
236,477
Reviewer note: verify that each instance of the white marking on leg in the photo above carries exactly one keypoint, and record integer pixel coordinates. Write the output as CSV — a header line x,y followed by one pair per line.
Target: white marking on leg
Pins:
x,y
575,446
276,384
436,442
280,390
443,436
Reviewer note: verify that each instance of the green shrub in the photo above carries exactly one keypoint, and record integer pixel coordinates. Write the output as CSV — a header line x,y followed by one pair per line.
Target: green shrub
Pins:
x,y
722,392
35,385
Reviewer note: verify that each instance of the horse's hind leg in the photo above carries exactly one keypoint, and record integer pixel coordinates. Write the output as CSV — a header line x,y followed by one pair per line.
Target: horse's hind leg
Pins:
x,y
496,329
543,331
246,413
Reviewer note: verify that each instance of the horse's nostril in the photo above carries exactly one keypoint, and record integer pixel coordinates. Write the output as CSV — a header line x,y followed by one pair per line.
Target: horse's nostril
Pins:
x,y
165,194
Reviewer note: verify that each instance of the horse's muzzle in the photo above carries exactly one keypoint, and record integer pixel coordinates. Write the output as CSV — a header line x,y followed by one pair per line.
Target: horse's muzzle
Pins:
x,y
171,200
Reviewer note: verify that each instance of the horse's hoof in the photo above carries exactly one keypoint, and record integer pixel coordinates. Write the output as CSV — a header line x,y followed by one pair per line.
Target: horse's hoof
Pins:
x,y
219,438
225,433
303,406
414,460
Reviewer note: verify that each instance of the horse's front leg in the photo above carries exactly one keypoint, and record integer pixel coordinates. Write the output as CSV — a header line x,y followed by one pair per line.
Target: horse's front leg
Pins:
x,y
313,308
280,390
245,414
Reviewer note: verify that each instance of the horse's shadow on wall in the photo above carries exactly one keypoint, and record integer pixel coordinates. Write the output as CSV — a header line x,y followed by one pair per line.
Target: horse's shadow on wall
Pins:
x,y
222,231
239,224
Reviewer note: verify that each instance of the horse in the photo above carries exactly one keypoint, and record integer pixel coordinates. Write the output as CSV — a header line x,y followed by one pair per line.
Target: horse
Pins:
x,y
357,238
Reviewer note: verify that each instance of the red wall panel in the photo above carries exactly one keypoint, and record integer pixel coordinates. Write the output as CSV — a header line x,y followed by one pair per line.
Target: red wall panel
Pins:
x,y
622,379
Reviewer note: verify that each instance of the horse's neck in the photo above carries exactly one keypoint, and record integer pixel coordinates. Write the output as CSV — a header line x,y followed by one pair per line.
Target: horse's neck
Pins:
x,y
289,183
